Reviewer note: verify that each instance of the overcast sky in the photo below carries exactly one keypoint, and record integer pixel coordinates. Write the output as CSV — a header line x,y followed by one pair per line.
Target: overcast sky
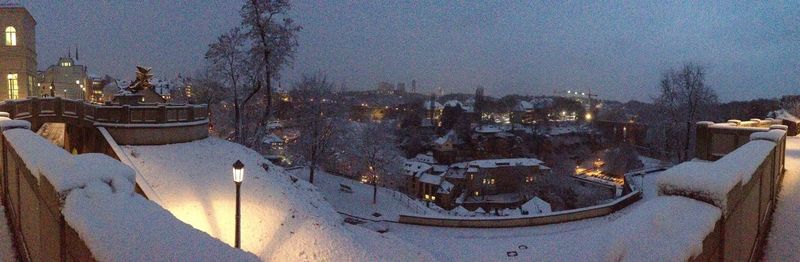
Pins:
x,y
617,50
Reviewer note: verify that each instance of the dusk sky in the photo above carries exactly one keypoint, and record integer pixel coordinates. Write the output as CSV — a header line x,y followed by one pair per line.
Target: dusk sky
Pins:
x,y
619,50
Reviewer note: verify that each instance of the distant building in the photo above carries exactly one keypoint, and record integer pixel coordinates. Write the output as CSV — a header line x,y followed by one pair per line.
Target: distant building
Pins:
x,y
401,88
413,86
487,184
65,79
498,183
385,88
17,53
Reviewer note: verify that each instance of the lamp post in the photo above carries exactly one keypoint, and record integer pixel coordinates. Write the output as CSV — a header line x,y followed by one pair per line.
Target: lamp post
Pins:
x,y
238,176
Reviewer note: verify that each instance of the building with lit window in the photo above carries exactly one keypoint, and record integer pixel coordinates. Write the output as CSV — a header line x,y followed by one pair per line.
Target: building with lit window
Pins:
x,y
17,53
499,183
66,79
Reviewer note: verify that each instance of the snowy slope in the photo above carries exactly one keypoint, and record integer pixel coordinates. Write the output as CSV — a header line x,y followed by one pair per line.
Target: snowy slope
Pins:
x,y
390,203
282,220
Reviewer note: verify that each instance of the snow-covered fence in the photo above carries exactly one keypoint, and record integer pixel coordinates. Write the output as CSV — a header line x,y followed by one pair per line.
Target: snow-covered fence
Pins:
x,y
714,140
83,208
410,203
743,184
523,221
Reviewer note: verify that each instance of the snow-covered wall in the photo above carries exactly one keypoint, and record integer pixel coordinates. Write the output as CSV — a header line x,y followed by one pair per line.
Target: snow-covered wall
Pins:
x,y
104,219
743,184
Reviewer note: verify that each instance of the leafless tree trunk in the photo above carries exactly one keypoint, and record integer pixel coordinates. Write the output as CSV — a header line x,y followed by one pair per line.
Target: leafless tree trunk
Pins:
x,y
683,95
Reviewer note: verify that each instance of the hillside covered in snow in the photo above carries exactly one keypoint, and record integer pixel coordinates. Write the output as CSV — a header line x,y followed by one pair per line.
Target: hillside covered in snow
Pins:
x,y
283,218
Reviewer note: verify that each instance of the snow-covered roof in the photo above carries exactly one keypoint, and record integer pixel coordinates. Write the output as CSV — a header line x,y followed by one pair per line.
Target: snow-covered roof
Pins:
x,y
271,139
453,103
438,169
492,163
430,179
451,136
426,158
523,106
413,168
535,103
490,129
427,105
445,187
274,125
562,130
536,205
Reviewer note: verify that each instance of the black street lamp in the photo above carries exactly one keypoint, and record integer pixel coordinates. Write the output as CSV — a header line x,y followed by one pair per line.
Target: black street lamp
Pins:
x,y
238,176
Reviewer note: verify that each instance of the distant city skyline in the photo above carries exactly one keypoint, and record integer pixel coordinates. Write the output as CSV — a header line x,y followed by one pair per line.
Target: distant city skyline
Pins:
x,y
619,51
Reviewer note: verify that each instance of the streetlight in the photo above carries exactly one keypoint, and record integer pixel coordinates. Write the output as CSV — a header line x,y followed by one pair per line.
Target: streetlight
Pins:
x,y
238,176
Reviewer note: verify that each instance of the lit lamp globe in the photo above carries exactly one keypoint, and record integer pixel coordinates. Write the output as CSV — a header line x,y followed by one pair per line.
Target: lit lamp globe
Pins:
x,y
238,171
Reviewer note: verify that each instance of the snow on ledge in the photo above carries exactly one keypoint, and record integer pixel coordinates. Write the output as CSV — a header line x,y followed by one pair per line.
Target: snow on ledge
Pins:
x,y
123,226
7,124
711,181
666,228
773,135
64,171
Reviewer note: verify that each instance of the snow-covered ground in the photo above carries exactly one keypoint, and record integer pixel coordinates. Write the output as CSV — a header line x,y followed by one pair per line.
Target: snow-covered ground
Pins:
x,y
390,203
783,241
608,238
283,219
674,226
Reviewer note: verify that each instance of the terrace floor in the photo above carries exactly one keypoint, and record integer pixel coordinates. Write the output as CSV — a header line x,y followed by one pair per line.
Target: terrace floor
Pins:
x,y
783,240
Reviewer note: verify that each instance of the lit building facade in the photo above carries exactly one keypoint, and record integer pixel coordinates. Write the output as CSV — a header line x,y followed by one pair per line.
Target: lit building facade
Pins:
x,y
17,53
66,79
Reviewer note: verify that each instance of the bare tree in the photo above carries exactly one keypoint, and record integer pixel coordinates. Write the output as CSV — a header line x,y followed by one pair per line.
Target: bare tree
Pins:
x,y
227,59
683,97
377,151
267,24
313,120
620,160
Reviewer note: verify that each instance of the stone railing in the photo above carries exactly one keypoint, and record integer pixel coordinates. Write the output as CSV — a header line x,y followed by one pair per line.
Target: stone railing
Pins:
x,y
33,108
743,183
129,125
62,207
714,140
522,221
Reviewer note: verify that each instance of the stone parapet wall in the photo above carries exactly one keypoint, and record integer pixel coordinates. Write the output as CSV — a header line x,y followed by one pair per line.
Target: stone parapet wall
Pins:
x,y
743,183
154,124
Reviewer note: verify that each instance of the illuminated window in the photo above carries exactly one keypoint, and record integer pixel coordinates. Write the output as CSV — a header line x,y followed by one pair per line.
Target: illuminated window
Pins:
x,y
11,36
66,63
476,193
13,86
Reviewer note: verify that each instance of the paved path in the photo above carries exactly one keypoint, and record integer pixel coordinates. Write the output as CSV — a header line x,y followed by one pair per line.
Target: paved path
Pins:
x,y
783,241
